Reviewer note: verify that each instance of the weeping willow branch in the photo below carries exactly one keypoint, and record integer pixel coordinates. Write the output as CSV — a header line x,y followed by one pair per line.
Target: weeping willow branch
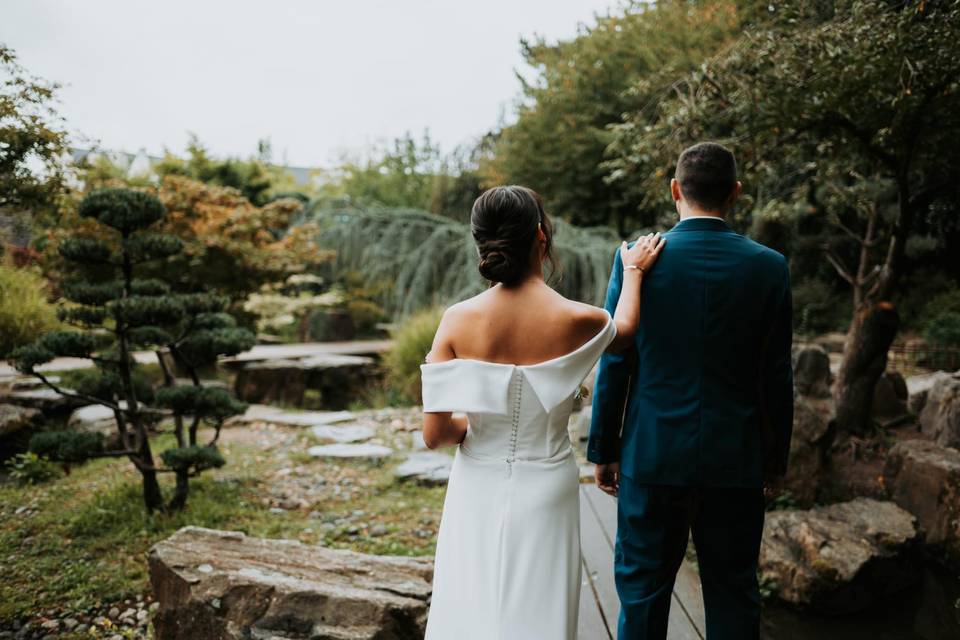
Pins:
x,y
429,260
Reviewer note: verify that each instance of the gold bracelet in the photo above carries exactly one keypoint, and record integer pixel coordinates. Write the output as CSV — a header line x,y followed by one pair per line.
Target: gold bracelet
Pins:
x,y
635,268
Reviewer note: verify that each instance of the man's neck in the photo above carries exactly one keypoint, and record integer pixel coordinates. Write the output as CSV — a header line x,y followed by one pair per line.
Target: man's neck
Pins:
x,y
686,215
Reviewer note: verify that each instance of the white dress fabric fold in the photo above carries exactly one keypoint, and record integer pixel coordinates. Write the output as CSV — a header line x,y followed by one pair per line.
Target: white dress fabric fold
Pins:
x,y
508,550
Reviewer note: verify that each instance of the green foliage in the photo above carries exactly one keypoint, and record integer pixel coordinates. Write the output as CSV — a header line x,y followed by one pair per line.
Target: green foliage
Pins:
x,y
29,468
85,250
69,344
25,313
208,403
582,86
70,447
943,330
144,248
419,260
819,309
27,357
34,140
413,174
121,209
193,458
411,343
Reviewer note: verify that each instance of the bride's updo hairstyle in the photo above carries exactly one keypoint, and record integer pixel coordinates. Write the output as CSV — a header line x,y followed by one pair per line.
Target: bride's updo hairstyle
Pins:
x,y
504,224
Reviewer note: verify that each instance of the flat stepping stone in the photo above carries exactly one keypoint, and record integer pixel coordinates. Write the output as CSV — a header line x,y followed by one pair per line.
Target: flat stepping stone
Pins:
x,y
345,450
344,433
264,413
425,467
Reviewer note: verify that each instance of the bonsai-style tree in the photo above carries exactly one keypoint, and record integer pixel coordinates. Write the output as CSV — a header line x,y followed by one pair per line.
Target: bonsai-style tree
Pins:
x,y
115,313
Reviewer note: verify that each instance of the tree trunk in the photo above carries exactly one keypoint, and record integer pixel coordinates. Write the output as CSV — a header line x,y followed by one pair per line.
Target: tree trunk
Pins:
x,y
179,499
864,360
152,496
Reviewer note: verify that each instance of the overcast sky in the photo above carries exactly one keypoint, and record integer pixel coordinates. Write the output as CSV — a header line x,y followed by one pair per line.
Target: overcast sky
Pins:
x,y
319,78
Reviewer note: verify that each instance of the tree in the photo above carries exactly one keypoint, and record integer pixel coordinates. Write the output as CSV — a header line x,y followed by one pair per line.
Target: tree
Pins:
x,y
418,259
413,174
582,86
845,116
116,311
32,141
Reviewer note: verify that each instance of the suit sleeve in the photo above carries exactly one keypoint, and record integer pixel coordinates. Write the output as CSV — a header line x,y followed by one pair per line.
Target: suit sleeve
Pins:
x,y
778,380
611,387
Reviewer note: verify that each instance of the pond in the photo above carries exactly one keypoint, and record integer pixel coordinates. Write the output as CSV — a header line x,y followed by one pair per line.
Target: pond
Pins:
x,y
928,612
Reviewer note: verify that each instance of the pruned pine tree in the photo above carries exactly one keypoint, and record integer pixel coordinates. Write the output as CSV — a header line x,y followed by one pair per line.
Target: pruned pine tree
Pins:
x,y
431,260
116,313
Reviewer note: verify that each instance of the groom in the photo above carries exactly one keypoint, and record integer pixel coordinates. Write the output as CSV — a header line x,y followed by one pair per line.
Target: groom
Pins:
x,y
690,422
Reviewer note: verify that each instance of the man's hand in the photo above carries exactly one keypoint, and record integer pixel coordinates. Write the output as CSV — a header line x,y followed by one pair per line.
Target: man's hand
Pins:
x,y
607,477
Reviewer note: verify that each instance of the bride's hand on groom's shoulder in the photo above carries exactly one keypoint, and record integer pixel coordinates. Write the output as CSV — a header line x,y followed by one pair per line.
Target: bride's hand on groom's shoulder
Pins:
x,y
643,253
607,477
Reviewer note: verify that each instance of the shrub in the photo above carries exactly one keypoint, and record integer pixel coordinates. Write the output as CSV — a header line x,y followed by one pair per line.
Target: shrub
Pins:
x,y
944,330
25,313
412,342
29,468
817,309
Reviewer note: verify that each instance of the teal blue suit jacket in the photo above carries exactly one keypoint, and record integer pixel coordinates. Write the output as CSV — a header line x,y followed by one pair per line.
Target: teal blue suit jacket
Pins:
x,y
705,395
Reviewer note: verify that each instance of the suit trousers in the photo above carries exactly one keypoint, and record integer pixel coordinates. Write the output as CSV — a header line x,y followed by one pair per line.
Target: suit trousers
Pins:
x,y
654,524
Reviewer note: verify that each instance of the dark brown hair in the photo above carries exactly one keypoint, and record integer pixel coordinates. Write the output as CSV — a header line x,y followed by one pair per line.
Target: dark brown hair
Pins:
x,y
504,224
707,173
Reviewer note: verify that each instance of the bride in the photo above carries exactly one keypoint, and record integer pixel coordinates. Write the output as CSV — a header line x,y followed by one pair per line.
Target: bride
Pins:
x,y
512,358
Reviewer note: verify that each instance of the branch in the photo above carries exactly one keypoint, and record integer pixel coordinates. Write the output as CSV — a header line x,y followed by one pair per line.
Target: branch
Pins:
x,y
835,261
74,394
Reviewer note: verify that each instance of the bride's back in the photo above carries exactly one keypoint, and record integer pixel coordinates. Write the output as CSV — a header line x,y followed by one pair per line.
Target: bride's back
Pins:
x,y
522,325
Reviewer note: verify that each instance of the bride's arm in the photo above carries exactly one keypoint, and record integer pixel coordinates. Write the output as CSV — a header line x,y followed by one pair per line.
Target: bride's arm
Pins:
x,y
636,260
442,428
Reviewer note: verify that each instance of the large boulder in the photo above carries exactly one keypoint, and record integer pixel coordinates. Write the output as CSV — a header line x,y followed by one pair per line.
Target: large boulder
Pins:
x,y
324,381
890,397
918,388
17,424
924,478
226,586
940,419
813,432
811,371
840,558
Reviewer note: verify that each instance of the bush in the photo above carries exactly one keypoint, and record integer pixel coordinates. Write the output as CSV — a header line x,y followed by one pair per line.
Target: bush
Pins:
x,y
818,309
944,330
412,342
25,313
29,468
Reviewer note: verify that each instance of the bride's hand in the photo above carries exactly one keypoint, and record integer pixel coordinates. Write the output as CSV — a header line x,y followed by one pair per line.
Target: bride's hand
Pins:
x,y
643,253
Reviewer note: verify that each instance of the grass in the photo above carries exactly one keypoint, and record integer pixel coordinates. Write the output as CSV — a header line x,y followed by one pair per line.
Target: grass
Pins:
x,y
82,542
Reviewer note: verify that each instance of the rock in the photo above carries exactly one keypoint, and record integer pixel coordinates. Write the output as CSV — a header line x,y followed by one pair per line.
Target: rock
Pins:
x,y
813,433
840,558
416,441
336,380
924,478
426,467
341,450
94,418
890,398
344,433
811,371
940,419
918,387
260,588
14,419
45,399
264,413
833,342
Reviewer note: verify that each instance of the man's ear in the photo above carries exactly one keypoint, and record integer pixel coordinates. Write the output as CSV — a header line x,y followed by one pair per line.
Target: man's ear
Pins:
x,y
737,188
675,190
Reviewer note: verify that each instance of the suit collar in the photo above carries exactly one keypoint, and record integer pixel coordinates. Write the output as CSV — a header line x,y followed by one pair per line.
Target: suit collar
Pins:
x,y
702,223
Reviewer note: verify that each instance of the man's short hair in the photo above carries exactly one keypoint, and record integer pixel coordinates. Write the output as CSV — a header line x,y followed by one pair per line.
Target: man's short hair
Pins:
x,y
707,173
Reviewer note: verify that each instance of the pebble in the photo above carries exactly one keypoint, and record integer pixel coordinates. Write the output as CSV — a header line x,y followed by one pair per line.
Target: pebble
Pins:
x,y
114,612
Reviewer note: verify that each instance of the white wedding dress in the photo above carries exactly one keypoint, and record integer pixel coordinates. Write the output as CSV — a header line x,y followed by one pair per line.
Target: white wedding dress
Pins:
x,y
508,551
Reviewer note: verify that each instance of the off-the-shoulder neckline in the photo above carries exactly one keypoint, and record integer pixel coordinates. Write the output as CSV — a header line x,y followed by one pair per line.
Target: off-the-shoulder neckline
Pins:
x,y
579,349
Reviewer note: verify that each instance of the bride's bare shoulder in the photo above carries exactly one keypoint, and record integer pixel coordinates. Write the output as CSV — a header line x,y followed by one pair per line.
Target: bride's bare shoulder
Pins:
x,y
587,319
